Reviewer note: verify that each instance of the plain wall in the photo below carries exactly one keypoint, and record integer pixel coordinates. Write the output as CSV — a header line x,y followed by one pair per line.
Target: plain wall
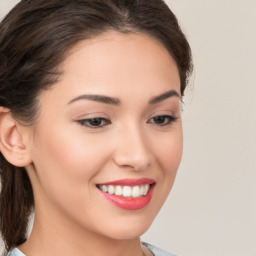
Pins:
x,y
212,207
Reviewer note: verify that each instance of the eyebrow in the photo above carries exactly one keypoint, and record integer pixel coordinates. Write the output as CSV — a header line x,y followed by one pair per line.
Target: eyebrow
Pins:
x,y
98,98
116,101
164,96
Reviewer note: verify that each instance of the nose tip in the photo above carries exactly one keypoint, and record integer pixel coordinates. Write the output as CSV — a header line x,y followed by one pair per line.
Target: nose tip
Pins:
x,y
133,152
138,163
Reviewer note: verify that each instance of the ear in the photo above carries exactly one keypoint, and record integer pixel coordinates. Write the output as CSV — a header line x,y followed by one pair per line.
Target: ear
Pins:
x,y
13,144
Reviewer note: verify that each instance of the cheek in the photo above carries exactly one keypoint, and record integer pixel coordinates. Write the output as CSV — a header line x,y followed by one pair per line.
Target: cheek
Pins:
x,y
169,152
66,165
72,154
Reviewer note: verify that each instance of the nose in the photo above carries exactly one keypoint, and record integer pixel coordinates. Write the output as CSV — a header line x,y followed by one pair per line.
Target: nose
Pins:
x,y
133,149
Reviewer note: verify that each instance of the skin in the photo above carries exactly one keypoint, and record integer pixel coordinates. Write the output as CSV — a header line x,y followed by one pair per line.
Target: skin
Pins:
x,y
68,159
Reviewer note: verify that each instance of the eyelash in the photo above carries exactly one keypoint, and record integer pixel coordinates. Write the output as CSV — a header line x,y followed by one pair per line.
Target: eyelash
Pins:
x,y
167,120
88,122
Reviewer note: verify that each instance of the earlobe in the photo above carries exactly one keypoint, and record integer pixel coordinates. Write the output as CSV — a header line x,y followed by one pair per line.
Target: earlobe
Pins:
x,y
12,145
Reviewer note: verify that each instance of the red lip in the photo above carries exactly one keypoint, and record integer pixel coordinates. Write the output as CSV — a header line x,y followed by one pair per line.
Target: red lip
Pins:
x,y
130,182
129,203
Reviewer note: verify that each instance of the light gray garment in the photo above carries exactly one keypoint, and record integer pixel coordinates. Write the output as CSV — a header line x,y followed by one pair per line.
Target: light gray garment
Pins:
x,y
155,250
16,252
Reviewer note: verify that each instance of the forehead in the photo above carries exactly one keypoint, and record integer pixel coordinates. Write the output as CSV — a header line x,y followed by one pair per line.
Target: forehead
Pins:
x,y
115,63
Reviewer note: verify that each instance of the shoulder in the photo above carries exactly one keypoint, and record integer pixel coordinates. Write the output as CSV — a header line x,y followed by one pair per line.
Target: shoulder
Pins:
x,y
157,251
16,252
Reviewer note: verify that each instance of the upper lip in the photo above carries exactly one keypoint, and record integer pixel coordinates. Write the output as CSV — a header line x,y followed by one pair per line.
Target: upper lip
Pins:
x,y
129,182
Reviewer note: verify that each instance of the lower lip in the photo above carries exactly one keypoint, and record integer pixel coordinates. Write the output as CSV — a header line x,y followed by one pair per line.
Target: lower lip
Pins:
x,y
130,203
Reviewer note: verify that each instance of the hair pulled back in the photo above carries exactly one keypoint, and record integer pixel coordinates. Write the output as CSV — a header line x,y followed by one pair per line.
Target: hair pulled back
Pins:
x,y
34,38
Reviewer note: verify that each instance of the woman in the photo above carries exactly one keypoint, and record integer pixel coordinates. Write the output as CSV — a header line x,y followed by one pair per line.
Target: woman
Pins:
x,y
90,126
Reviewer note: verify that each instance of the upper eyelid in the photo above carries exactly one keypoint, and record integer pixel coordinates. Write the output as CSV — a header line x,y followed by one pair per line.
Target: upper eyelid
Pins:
x,y
91,118
83,122
103,116
174,117
164,113
92,115
106,112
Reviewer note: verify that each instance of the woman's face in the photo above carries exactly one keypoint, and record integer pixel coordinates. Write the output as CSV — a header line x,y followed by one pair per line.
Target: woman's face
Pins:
x,y
108,130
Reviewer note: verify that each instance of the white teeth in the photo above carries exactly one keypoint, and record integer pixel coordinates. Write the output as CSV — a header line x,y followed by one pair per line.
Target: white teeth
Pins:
x,y
111,189
136,191
126,191
146,188
118,191
104,188
142,190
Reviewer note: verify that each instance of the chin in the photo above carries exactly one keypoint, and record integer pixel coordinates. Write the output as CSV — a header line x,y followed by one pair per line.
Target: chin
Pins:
x,y
128,234
131,228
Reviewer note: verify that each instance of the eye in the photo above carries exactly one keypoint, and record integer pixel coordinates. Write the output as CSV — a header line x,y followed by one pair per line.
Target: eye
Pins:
x,y
162,120
95,122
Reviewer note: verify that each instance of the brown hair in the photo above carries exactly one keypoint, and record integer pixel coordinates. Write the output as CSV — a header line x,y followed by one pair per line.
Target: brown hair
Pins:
x,y
34,38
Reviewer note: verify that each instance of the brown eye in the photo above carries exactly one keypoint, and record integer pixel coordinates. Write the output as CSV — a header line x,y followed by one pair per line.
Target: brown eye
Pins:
x,y
96,122
162,120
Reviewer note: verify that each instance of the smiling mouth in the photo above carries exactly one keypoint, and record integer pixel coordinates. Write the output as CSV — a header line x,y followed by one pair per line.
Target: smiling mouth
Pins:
x,y
126,191
129,194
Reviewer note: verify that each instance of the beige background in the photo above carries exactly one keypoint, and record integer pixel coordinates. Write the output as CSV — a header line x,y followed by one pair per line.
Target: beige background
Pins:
x,y
211,210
